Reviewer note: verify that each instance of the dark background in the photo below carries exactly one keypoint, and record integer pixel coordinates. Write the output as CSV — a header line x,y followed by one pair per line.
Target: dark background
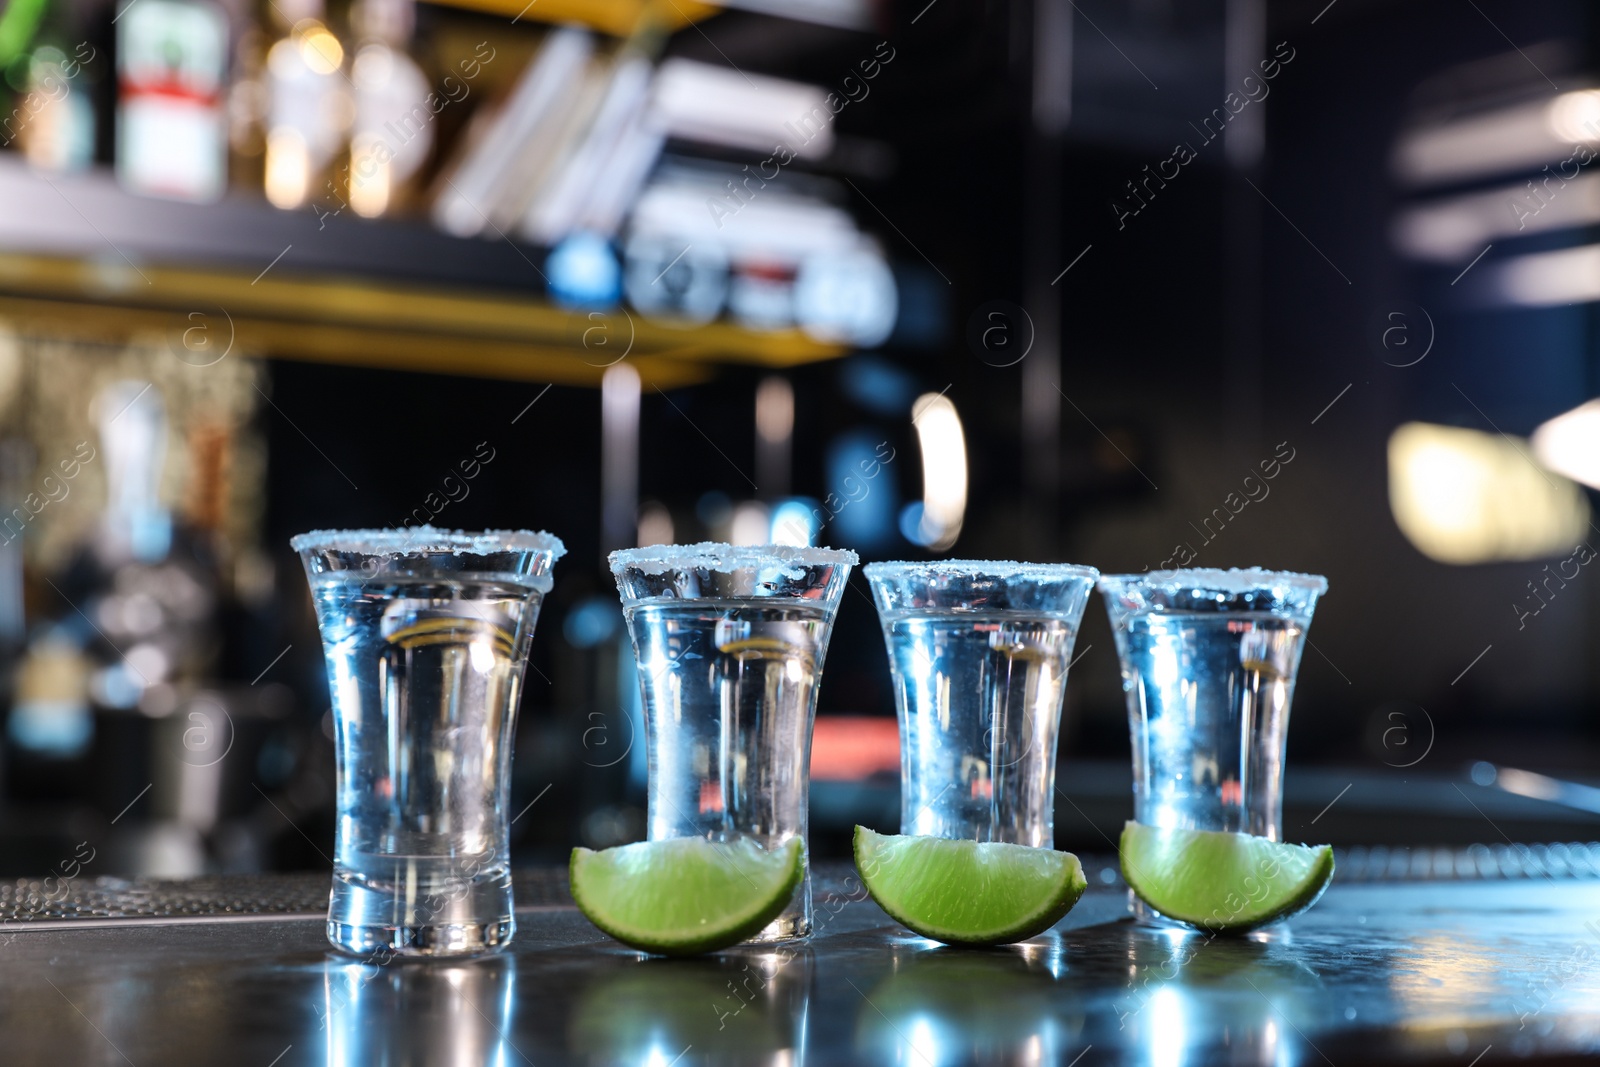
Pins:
x,y
1238,316
1211,330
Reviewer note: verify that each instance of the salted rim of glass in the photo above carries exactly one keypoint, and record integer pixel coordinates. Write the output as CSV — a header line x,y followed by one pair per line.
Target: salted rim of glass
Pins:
x,y
429,540
978,568
1233,581
719,556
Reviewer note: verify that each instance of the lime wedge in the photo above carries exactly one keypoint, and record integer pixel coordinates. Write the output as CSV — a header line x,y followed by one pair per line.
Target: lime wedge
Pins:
x,y
1224,882
686,895
966,893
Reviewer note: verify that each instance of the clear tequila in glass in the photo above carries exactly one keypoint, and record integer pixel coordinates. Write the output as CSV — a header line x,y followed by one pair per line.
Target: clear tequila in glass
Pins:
x,y
1208,664
729,643
979,651
425,633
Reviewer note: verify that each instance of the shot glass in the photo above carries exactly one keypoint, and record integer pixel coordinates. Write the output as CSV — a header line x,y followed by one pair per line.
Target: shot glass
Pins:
x,y
729,643
979,651
1208,664
425,633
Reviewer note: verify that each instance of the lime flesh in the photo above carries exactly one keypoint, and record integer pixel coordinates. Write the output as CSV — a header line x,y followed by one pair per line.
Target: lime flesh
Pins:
x,y
967,893
686,895
1223,882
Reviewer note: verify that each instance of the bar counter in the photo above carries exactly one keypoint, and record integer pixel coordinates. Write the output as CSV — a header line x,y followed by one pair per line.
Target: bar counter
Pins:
x,y
1384,970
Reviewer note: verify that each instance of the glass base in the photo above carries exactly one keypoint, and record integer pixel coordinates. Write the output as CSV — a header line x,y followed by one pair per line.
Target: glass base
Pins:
x,y
422,913
785,927
1145,915
794,924
439,941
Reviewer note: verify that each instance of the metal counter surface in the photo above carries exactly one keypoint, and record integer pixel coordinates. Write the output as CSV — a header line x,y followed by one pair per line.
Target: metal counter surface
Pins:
x,y
1462,973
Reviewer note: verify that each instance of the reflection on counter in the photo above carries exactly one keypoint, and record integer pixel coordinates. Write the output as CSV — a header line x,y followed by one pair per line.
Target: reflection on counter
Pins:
x,y
1247,986
452,1015
930,1001
750,1004
1411,973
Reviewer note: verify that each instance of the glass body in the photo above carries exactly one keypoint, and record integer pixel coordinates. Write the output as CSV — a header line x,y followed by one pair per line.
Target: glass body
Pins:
x,y
1208,664
425,633
730,643
979,651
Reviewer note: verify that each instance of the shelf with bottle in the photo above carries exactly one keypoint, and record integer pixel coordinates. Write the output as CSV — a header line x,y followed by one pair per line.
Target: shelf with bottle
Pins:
x,y
203,316
585,182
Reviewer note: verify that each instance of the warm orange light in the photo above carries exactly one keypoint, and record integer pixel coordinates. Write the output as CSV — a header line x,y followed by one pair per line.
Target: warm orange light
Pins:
x,y
847,748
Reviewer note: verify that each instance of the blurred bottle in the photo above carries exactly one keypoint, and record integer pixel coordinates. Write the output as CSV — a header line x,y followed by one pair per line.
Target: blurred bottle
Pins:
x,y
171,59
132,421
56,127
393,130
49,719
143,605
206,510
51,119
152,597
308,106
249,101
17,458
22,22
